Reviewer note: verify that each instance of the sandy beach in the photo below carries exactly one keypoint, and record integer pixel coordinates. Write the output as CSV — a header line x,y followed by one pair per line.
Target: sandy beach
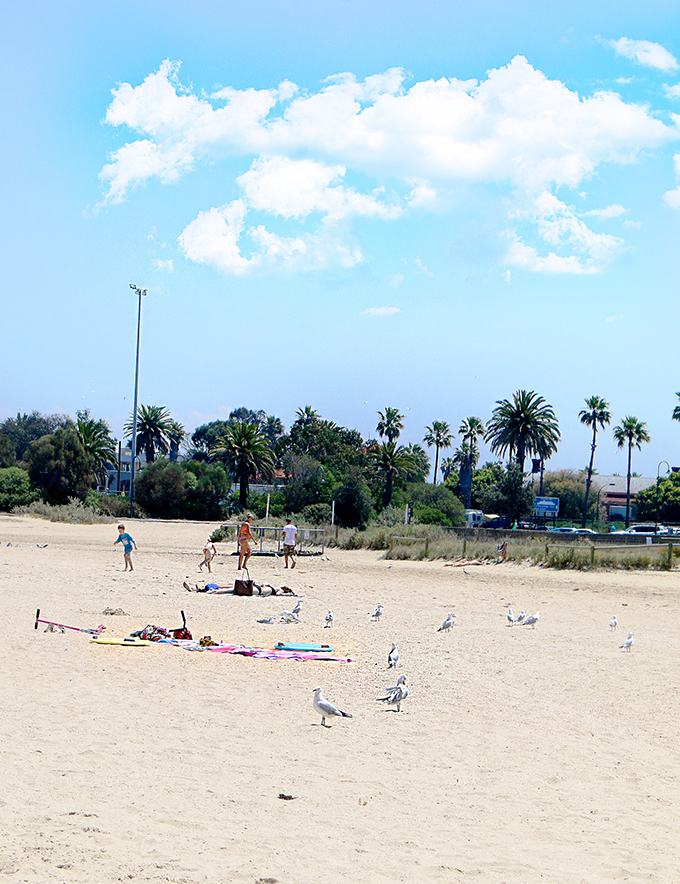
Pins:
x,y
520,755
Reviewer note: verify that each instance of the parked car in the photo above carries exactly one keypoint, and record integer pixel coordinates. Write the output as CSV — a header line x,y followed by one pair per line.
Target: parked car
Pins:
x,y
532,526
644,530
587,532
572,532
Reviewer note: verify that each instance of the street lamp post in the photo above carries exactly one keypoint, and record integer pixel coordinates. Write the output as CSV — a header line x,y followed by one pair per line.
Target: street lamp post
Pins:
x,y
599,491
133,448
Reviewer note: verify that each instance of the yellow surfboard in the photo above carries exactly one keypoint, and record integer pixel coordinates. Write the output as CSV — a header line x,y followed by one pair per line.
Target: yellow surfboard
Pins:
x,y
124,642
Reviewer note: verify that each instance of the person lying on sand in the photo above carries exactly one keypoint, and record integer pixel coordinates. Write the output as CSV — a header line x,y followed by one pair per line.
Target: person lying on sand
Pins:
x,y
464,563
209,587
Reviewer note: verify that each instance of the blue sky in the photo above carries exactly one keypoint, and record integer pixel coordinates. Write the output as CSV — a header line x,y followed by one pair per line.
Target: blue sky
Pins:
x,y
348,206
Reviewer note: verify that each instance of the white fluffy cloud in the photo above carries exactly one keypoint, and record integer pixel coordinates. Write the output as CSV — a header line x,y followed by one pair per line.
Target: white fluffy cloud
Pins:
x,y
605,214
516,128
652,55
575,247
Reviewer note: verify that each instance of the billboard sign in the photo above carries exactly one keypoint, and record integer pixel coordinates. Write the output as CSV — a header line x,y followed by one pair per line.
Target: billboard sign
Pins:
x,y
547,506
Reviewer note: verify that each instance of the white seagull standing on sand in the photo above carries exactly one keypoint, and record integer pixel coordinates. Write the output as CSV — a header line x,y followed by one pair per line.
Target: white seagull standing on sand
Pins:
x,y
326,709
447,624
628,644
329,619
395,696
532,620
298,607
521,616
511,617
613,623
266,620
377,614
393,657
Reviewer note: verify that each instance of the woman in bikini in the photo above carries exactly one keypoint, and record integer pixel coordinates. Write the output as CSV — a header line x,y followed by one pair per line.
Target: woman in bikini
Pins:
x,y
245,538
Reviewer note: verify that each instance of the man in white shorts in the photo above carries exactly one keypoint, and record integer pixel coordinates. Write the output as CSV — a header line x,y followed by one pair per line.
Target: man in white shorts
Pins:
x,y
289,541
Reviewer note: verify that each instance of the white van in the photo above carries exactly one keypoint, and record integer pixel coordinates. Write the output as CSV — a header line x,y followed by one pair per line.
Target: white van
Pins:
x,y
474,518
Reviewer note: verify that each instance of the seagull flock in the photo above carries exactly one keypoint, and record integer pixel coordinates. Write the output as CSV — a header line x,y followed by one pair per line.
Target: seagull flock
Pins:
x,y
395,695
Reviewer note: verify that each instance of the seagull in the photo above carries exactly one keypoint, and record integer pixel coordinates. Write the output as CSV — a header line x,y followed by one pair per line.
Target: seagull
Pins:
x,y
465,571
447,624
511,617
613,623
266,620
628,644
326,709
401,680
397,695
377,614
521,616
532,620
298,607
393,657
329,619
289,617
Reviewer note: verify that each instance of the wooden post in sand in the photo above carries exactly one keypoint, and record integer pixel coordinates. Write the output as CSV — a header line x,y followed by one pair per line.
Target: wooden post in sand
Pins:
x,y
592,556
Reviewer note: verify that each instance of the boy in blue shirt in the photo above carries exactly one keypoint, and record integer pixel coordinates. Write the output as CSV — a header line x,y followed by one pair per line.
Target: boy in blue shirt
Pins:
x,y
128,544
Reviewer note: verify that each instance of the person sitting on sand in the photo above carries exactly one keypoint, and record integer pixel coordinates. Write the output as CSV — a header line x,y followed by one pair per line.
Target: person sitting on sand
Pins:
x,y
245,539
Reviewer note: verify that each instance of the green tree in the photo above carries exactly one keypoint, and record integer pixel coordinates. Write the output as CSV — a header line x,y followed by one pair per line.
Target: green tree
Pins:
x,y
523,426
511,497
59,465
175,434
162,488
7,451
353,503
391,424
595,414
153,424
95,437
205,436
470,430
15,489
435,505
676,412
421,463
307,415
631,432
388,462
245,450
207,490
661,502
438,436
26,428
570,487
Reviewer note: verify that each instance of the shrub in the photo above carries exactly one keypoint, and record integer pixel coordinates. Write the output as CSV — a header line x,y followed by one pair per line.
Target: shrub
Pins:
x,y
15,489
317,513
74,512
162,488
353,501
59,465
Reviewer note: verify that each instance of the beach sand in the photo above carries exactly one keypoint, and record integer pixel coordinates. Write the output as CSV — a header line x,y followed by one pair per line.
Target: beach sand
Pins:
x,y
520,755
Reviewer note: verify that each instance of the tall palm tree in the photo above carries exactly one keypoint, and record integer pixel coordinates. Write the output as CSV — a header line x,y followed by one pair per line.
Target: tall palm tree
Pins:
x,y
676,410
595,414
440,436
388,461
633,433
245,450
522,426
390,424
95,437
175,434
153,423
307,415
470,430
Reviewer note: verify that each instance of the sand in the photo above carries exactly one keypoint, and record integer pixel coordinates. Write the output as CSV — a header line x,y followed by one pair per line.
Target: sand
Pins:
x,y
520,755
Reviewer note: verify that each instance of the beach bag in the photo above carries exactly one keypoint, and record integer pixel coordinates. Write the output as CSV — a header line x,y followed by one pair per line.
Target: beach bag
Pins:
x,y
243,586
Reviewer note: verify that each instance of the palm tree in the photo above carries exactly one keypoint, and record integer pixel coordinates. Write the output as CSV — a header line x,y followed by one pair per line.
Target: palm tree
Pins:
x,y
388,461
440,436
632,432
676,410
471,429
153,423
390,424
595,414
245,450
307,415
175,434
95,437
526,425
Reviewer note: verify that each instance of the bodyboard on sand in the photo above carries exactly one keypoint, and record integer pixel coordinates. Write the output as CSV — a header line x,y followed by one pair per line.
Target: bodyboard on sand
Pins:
x,y
294,646
124,642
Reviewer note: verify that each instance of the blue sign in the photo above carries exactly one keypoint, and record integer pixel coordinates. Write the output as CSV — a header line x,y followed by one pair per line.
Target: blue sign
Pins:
x,y
547,506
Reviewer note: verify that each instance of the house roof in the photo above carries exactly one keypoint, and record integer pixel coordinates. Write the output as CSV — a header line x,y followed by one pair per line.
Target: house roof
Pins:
x,y
615,485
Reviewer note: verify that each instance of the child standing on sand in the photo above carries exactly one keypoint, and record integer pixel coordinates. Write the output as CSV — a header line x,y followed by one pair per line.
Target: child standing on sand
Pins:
x,y
128,544
209,553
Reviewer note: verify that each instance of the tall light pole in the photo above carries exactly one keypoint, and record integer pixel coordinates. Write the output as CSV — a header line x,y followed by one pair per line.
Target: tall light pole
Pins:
x,y
133,448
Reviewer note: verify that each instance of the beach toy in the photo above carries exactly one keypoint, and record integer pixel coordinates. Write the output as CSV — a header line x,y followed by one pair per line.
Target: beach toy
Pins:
x,y
122,642
96,631
288,646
